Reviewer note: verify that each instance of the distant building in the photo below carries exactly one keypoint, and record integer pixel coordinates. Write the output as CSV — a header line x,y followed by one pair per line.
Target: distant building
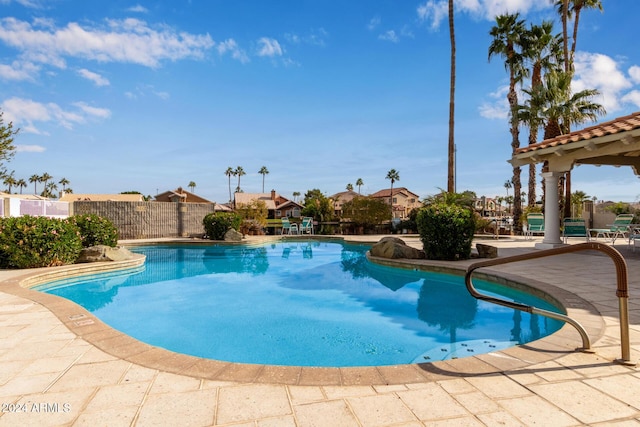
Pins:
x,y
180,195
487,207
339,199
277,205
404,201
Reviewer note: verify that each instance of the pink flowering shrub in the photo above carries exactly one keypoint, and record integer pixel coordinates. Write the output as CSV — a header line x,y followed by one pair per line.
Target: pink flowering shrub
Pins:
x,y
95,230
29,242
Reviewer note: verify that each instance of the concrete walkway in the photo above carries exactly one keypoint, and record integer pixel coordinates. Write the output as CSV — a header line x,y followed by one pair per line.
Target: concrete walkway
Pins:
x,y
60,366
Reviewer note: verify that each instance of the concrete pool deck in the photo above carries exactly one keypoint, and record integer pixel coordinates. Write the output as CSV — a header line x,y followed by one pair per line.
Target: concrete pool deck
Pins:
x,y
61,366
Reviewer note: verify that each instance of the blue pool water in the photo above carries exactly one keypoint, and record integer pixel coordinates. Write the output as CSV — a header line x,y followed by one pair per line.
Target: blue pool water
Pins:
x,y
302,303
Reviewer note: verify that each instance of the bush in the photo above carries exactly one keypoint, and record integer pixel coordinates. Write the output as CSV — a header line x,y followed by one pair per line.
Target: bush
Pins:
x,y
446,231
217,224
30,242
95,230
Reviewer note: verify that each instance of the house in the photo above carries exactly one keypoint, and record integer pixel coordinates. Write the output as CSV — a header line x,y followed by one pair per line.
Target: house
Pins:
x,y
486,207
404,201
277,205
180,195
339,199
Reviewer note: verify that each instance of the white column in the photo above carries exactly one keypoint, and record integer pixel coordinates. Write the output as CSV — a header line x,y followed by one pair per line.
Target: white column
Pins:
x,y
551,212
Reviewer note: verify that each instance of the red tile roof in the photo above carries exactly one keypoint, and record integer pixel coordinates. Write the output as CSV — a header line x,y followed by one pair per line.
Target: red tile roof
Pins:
x,y
620,124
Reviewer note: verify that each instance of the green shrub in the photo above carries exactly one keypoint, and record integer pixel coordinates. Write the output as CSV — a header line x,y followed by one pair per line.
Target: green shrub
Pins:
x,y
217,224
30,242
446,231
95,230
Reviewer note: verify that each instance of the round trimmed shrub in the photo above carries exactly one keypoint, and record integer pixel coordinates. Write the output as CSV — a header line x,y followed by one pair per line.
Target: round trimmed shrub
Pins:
x,y
30,242
217,224
95,230
446,231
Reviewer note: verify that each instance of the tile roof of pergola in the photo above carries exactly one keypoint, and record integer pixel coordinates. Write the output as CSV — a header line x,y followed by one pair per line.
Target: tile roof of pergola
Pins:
x,y
616,143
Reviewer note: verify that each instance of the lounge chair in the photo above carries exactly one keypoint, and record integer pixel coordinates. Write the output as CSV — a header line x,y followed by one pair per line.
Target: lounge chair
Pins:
x,y
574,227
288,227
619,228
307,225
535,225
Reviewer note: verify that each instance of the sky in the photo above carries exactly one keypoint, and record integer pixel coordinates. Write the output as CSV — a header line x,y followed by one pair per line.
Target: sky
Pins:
x,y
148,96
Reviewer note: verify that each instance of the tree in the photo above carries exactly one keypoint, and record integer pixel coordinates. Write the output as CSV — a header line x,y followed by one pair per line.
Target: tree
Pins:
x,y
35,179
507,186
318,206
543,51
239,172
10,181
366,211
7,149
44,178
22,184
451,178
263,171
64,182
359,183
393,176
507,40
192,185
577,201
296,194
49,190
229,172
349,187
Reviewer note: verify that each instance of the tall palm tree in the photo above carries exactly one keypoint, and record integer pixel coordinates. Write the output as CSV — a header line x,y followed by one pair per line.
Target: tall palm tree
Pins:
x,y
50,189
64,182
393,176
507,186
230,172
507,42
239,172
263,171
10,181
296,194
567,8
22,184
35,179
359,183
451,178
543,50
44,178
192,185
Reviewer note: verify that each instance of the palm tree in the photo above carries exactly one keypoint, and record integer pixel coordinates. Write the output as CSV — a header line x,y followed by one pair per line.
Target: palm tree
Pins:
x,y
10,181
577,199
507,186
296,194
35,179
239,172
394,176
349,187
64,182
22,184
50,189
451,179
192,185
507,39
359,183
229,172
542,49
45,179
263,171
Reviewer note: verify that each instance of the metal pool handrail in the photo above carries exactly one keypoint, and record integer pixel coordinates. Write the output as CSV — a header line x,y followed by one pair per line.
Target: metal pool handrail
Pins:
x,y
622,291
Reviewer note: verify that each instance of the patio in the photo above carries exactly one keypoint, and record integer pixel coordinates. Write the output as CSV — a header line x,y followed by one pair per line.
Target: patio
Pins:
x,y
61,366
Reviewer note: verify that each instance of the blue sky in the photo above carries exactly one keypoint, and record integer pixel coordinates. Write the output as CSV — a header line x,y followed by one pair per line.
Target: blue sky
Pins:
x,y
148,96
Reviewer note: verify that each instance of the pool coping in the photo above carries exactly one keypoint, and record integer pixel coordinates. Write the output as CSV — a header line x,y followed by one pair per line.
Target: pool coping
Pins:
x,y
91,329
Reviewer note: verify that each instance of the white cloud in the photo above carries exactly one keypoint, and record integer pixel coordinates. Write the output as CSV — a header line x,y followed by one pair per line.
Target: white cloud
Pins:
x,y
138,9
601,72
129,40
634,72
24,113
269,47
389,36
433,12
373,23
18,71
498,108
230,45
632,97
29,148
97,79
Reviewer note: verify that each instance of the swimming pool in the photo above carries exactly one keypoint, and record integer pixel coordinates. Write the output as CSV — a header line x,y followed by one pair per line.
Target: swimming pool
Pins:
x,y
301,303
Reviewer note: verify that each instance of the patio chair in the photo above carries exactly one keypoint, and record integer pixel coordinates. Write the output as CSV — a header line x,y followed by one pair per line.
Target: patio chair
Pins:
x,y
288,227
307,225
535,225
574,227
619,228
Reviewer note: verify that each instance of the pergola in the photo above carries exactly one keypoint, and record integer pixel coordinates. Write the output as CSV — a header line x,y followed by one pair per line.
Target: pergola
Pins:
x,y
615,143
